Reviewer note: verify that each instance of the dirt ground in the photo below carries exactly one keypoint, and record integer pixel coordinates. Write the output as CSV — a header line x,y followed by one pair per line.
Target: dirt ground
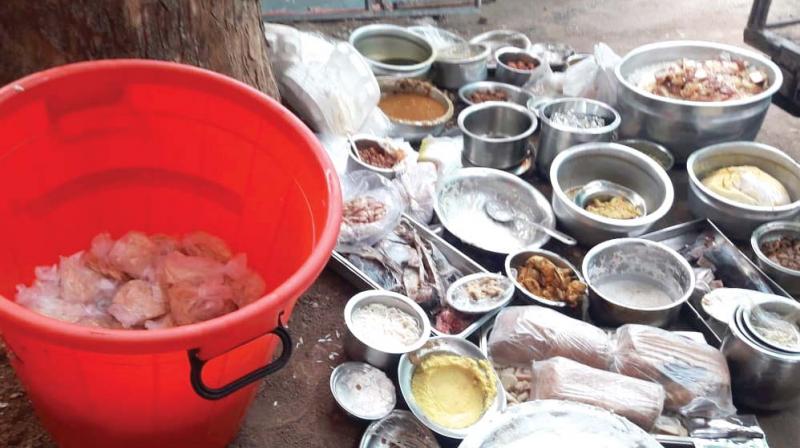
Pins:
x,y
294,408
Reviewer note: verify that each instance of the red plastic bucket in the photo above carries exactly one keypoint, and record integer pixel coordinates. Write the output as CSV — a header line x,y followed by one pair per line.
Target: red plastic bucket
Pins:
x,y
162,148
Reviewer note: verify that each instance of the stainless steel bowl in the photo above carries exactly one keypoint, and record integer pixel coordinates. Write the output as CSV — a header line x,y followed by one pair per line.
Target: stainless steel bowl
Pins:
x,y
761,378
627,270
496,134
354,163
789,279
514,93
517,259
392,50
739,220
414,131
445,345
399,428
460,202
584,163
655,151
361,350
460,65
497,39
555,138
510,75
345,399
683,126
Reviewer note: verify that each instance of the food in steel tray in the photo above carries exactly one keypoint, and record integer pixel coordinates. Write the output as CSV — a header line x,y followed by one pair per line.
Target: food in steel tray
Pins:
x,y
543,278
482,95
615,207
719,79
375,154
747,185
784,251
144,282
363,210
453,391
522,64
577,120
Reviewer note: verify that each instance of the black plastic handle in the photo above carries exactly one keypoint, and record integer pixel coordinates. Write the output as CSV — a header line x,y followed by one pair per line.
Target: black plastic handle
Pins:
x,y
210,393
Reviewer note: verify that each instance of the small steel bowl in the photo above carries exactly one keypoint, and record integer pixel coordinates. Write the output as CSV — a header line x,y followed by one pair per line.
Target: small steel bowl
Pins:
x,y
761,378
507,74
739,220
514,93
339,374
396,429
445,345
361,350
584,163
497,39
354,163
655,151
496,134
479,308
384,46
414,131
516,259
646,261
779,306
453,71
789,279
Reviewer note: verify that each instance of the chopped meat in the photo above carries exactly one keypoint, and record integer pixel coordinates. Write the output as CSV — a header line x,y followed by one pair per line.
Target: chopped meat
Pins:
x,y
450,321
541,277
363,210
482,95
80,284
201,244
137,301
190,303
133,254
718,79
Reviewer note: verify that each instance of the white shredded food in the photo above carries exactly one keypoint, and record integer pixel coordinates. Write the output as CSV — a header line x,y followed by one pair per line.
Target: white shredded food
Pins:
x,y
386,328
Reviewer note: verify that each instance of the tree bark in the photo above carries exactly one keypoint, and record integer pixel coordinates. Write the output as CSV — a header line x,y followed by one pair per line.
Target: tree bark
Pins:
x,y
226,36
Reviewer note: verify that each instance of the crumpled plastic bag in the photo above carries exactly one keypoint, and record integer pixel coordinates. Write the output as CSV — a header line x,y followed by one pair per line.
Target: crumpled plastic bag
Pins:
x,y
338,149
444,152
360,191
523,334
438,38
694,375
545,82
594,77
560,378
417,185
327,83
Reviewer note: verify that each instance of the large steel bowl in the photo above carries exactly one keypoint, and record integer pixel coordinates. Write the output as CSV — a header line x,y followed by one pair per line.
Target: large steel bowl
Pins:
x,y
684,126
392,50
789,279
739,220
414,131
638,261
620,164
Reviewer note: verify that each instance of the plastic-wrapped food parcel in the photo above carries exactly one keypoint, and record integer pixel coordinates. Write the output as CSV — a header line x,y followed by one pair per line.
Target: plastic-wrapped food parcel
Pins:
x,y
694,375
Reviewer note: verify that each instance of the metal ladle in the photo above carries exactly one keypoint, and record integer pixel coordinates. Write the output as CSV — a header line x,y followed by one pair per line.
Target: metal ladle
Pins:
x,y
605,189
503,214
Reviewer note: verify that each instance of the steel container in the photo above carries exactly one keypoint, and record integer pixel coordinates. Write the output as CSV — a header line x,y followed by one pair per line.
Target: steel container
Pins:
x,y
655,151
392,50
497,39
620,164
761,378
739,220
496,134
415,131
789,279
643,259
555,138
510,75
514,93
514,260
358,349
684,126
453,72
355,164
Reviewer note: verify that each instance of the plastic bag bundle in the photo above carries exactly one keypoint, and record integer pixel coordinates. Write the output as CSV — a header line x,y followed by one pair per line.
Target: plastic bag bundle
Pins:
x,y
372,208
695,375
594,77
559,378
523,334
417,186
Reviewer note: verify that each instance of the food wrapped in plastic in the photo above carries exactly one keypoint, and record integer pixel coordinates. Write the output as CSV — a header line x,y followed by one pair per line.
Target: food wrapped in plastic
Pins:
x,y
372,208
523,334
560,378
417,185
695,375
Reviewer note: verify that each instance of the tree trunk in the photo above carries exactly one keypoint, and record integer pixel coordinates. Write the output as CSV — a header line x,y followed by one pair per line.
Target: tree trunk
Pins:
x,y
226,36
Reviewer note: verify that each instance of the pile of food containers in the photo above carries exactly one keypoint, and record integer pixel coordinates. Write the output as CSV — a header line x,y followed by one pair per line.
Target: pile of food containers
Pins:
x,y
520,330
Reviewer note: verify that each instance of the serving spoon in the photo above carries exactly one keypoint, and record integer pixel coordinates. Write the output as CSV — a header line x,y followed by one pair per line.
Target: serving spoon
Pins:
x,y
503,214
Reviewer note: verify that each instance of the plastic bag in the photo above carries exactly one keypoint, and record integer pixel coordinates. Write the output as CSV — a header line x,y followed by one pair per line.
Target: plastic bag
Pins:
x,y
376,123
417,185
437,37
523,334
563,379
545,82
338,149
694,375
328,84
372,208
594,77
444,152
777,328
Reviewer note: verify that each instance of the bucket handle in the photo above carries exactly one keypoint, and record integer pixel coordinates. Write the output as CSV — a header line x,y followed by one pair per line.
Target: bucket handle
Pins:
x,y
210,393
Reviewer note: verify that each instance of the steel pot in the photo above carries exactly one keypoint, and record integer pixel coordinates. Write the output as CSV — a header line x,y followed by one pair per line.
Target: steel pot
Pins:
x,y
510,75
496,134
392,50
789,279
683,126
453,70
